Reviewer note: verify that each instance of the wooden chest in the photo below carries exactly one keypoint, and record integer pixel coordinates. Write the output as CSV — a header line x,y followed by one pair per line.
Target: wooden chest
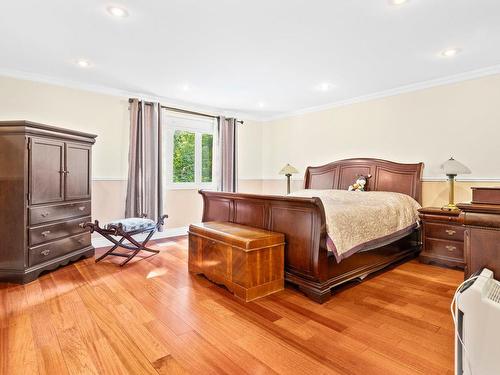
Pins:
x,y
248,261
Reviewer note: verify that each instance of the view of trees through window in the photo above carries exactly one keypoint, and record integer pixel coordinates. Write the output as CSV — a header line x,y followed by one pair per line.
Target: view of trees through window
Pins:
x,y
207,141
184,156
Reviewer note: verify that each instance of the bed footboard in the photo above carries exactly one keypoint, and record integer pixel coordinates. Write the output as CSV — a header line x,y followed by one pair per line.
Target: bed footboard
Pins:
x,y
302,220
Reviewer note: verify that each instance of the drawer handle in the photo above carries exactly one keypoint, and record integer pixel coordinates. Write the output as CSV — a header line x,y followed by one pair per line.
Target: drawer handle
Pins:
x,y
81,208
44,214
81,241
451,248
46,233
81,225
45,252
451,232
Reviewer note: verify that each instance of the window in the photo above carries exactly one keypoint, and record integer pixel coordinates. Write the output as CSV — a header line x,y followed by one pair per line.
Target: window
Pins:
x,y
189,156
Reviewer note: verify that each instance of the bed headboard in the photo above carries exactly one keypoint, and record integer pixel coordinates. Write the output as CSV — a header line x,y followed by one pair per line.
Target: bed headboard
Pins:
x,y
385,176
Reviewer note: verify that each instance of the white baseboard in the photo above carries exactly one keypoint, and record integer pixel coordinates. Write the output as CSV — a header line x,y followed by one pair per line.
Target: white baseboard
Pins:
x,y
171,232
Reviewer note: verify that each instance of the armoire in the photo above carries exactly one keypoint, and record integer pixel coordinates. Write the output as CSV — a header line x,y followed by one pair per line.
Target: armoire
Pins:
x,y
45,198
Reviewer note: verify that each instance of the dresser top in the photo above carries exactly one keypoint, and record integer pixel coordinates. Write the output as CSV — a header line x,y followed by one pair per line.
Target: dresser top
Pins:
x,y
27,126
439,211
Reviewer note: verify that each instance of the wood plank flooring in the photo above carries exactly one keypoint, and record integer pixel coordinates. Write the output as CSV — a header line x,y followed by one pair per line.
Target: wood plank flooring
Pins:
x,y
153,317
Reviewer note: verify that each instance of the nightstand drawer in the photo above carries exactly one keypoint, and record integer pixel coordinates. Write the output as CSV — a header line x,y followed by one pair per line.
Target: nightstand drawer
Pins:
x,y
445,232
449,249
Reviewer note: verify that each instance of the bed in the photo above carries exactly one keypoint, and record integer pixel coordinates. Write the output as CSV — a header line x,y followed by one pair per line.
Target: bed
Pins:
x,y
308,262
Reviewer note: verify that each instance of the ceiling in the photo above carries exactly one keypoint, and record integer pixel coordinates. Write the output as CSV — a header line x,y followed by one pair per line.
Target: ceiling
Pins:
x,y
259,57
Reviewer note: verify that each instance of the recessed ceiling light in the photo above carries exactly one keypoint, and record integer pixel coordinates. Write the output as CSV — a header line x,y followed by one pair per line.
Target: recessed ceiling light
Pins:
x,y
260,105
450,52
117,11
324,86
185,87
397,2
82,63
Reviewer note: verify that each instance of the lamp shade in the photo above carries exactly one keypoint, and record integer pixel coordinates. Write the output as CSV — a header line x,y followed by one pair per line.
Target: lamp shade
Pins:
x,y
288,169
452,167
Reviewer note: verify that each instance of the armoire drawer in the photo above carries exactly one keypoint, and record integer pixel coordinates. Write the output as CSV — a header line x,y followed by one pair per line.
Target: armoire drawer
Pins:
x,y
45,214
50,232
50,250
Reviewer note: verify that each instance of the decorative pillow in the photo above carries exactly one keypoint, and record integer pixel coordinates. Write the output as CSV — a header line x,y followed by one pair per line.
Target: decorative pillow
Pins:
x,y
133,224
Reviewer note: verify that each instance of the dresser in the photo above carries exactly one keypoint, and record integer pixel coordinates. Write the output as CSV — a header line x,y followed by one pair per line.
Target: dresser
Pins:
x,y
45,198
442,237
482,237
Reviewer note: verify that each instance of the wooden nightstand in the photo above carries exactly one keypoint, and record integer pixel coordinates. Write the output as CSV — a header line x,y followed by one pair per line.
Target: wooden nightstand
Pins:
x,y
442,237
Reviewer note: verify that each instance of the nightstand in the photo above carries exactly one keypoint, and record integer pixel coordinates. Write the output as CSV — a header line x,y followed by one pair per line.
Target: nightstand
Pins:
x,y
442,237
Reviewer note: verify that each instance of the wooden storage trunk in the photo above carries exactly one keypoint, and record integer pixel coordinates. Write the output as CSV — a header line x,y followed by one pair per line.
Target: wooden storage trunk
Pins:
x,y
248,261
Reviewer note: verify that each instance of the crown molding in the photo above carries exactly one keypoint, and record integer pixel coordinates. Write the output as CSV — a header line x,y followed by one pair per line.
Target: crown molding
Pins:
x,y
105,90
465,76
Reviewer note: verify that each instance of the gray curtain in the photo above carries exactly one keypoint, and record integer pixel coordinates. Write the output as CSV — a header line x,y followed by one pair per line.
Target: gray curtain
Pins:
x,y
144,188
228,154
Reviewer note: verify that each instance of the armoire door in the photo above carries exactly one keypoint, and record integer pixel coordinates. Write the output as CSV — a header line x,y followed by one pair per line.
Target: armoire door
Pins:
x,y
46,167
78,162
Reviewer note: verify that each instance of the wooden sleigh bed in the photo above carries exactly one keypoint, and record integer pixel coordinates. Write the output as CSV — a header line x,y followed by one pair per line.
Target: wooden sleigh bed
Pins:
x,y
308,263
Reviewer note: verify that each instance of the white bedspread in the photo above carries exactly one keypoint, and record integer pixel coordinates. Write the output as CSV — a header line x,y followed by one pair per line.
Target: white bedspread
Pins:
x,y
357,221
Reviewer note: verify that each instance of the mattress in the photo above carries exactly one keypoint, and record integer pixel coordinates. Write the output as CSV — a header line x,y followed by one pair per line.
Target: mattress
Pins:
x,y
360,221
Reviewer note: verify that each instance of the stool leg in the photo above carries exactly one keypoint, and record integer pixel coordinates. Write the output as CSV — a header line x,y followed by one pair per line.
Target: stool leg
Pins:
x,y
142,246
109,251
134,253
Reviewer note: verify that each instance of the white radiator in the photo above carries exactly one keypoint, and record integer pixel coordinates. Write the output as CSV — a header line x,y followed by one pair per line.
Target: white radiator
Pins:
x,y
477,312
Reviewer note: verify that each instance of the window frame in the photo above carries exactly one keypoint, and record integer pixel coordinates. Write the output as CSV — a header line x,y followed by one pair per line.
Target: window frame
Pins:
x,y
198,125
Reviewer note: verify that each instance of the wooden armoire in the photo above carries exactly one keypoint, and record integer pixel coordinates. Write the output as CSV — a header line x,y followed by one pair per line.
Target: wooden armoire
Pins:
x,y
45,198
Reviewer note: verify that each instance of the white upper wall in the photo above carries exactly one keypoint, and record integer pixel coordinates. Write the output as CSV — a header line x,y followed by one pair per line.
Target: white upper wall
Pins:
x,y
250,150
104,115
460,120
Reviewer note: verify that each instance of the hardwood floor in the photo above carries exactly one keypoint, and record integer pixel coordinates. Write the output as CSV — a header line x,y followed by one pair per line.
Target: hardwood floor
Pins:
x,y
153,317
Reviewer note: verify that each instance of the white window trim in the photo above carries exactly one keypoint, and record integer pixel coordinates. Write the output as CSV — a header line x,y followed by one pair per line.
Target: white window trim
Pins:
x,y
173,122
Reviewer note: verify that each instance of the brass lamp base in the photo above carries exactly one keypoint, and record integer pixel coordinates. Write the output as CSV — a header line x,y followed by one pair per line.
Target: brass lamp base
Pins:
x,y
450,207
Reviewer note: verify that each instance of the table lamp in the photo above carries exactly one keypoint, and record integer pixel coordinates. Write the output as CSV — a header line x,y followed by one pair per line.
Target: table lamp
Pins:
x,y
452,168
288,170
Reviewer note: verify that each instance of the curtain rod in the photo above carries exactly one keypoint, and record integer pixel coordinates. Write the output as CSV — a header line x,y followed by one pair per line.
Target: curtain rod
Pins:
x,y
185,111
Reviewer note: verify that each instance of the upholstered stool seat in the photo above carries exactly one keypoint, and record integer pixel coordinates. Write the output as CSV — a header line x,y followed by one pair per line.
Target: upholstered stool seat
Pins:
x,y
132,224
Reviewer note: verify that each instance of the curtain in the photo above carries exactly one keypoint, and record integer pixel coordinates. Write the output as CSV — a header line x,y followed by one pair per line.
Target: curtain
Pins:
x,y
228,154
144,187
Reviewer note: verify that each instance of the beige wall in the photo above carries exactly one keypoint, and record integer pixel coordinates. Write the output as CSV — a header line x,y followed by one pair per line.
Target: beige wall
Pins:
x,y
104,115
461,119
108,117
430,125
